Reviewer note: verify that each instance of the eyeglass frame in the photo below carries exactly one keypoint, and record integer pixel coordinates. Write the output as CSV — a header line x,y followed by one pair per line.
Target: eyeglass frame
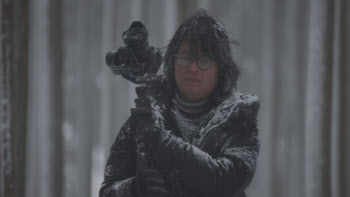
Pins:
x,y
176,55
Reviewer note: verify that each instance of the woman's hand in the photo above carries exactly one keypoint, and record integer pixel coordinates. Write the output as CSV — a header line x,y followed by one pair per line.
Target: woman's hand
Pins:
x,y
149,182
147,135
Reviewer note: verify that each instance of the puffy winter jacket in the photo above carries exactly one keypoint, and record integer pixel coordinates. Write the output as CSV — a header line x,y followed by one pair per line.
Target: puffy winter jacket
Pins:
x,y
223,164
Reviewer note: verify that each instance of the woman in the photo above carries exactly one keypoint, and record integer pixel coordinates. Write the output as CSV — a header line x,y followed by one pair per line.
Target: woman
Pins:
x,y
204,141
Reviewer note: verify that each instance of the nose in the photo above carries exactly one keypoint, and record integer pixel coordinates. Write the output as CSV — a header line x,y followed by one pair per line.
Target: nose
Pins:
x,y
193,67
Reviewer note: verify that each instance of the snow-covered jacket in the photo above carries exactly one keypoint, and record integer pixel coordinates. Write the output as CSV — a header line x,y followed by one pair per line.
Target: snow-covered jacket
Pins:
x,y
223,164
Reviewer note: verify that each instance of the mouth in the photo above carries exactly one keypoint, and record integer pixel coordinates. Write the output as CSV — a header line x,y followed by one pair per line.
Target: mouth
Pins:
x,y
192,80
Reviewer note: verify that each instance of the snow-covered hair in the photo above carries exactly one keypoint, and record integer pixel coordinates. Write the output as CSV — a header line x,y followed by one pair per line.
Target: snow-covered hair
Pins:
x,y
204,32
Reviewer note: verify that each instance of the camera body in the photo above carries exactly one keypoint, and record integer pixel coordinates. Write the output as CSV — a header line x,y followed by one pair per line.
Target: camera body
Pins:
x,y
138,58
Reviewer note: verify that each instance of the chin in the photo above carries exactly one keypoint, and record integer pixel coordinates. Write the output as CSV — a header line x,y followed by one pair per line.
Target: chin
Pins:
x,y
192,96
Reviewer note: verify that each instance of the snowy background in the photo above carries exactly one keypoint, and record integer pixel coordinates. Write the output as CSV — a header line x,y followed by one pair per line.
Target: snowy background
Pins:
x,y
294,56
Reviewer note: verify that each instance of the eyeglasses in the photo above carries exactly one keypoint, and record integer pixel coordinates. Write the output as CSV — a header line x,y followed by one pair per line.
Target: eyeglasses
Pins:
x,y
203,63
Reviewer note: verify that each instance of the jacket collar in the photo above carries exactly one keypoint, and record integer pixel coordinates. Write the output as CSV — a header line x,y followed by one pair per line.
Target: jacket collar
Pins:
x,y
236,106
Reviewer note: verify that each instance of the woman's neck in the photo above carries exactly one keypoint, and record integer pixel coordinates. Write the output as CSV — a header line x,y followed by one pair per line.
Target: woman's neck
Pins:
x,y
190,106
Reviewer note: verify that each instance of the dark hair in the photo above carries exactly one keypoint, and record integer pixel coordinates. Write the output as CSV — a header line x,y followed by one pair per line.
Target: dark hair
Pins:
x,y
206,33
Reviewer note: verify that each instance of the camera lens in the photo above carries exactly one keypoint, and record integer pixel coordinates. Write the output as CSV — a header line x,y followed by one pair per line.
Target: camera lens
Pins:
x,y
110,58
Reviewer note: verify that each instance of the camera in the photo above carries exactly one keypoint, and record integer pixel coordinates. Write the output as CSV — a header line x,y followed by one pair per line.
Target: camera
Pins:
x,y
138,58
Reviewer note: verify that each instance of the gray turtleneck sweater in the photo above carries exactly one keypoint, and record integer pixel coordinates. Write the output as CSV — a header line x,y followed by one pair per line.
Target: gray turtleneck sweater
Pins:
x,y
190,118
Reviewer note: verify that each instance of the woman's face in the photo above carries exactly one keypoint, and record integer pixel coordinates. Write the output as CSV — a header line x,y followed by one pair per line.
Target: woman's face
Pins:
x,y
193,83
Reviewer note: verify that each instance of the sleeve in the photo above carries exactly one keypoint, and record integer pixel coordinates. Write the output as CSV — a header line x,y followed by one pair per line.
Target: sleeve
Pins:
x,y
120,168
226,175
